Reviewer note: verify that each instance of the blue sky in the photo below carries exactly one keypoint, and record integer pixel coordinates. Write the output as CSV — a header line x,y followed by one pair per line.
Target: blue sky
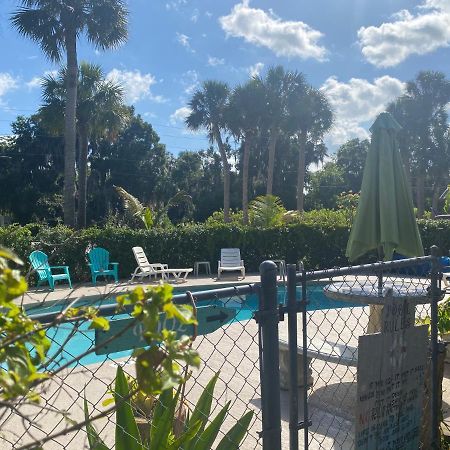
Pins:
x,y
359,52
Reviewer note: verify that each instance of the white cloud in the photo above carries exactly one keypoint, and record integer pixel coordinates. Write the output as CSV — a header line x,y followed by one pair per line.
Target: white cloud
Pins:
x,y
213,61
190,81
136,85
255,69
284,38
7,84
183,39
178,117
392,42
194,16
357,103
175,4
36,82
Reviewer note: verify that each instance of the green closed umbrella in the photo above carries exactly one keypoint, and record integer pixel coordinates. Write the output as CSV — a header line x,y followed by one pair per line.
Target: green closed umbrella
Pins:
x,y
385,215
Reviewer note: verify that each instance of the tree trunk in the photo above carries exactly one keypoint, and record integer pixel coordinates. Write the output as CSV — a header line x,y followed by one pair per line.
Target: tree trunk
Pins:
x,y
271,164
420,193
301,171
245,164
82,177
226,176
70,129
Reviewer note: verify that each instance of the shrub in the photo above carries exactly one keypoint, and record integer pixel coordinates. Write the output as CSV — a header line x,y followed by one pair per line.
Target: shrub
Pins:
x,y
319,238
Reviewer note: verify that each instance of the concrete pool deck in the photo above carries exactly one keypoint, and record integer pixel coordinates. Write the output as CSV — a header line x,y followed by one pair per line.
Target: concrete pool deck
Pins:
x,y
233,350
101,290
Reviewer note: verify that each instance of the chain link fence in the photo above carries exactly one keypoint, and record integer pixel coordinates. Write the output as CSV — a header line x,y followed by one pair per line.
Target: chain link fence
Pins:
x,y
252,363
78,372
327,314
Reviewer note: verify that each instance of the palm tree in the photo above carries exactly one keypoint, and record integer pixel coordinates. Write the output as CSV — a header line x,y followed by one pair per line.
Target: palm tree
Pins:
x,y
208,110
244,118
55,25
267,211
100,113
311,117
422,113
277,85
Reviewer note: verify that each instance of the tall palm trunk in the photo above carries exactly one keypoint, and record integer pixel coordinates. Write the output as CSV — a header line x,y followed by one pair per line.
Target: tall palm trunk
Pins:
x,y
301,171
70,129
271,164
420,193
226,175
82,177
245,167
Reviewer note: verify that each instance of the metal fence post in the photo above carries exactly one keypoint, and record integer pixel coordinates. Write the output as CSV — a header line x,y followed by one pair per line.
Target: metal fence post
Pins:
x,y
293,371
435,270
268,318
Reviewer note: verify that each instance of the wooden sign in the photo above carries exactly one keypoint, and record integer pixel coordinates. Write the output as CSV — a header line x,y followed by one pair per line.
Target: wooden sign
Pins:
x,y
391,368
128,336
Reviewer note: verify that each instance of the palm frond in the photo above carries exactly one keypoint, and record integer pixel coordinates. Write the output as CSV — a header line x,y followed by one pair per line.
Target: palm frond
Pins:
x,y
131,203
41,26
107,23
266,211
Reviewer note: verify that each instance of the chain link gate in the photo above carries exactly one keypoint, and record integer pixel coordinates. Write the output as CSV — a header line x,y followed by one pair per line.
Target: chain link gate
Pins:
x,y
320,344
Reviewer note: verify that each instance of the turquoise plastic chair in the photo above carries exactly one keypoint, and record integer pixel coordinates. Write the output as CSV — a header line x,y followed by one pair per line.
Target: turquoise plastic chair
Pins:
x,y
100,265
39,262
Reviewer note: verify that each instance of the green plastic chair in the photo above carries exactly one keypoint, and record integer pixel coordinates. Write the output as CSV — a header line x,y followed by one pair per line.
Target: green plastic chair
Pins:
x,y
39,262
100,265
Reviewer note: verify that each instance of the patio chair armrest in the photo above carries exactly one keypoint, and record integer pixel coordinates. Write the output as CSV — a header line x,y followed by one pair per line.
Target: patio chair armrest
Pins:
x,y
114,264
218,264
64,268
242,262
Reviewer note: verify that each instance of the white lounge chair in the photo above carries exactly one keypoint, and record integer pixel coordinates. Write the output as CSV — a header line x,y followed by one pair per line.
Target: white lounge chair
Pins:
x,y
230,260
446,278
146,269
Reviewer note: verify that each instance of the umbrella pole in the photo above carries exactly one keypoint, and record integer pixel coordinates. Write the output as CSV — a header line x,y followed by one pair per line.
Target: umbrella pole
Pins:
x,y
376,311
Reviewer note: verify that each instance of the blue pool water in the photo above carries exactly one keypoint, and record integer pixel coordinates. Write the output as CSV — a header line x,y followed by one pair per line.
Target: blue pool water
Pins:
x,y
83,339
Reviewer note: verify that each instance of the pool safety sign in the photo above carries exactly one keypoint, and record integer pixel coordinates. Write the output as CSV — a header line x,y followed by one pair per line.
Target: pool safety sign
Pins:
x,y
126,334
391,368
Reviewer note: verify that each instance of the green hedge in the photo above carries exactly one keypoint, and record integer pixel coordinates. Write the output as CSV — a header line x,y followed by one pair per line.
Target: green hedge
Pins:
x,y
319,245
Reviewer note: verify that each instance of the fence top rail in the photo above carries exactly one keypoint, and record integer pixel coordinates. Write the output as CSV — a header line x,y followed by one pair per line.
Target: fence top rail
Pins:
x,y
376,268
110,309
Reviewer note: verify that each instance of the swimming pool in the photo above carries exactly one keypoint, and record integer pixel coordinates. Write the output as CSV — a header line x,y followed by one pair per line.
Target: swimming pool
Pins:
x,y
83,339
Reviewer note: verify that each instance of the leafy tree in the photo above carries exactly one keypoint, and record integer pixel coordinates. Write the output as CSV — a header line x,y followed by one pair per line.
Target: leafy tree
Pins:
x,y
56,25
100,112
351,158
325,186
136,161
208,110
31,170
244,120
421,112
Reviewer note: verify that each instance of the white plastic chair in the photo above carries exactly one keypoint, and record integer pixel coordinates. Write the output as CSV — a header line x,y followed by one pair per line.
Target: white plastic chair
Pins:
x,y
230,260
146,269
446,278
